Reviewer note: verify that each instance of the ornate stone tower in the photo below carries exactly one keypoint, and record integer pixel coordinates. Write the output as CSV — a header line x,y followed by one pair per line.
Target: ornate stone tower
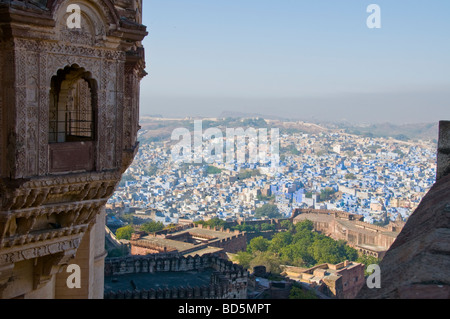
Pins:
x,y
69,112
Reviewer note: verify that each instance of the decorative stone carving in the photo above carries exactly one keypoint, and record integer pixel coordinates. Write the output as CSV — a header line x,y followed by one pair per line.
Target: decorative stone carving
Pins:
x,y
45,212
49,265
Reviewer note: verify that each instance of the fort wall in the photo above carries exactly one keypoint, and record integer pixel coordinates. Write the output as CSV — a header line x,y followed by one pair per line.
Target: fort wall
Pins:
x,y
228,280
368,239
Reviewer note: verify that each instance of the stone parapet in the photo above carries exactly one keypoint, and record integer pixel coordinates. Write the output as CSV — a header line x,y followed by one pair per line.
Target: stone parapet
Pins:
x,y
227,281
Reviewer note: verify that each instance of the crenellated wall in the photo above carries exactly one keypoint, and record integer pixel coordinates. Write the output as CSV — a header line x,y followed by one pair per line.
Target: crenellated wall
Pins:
x,y
228,280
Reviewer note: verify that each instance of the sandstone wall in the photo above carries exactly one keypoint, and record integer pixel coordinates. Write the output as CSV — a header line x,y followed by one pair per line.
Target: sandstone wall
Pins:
x,y
229,281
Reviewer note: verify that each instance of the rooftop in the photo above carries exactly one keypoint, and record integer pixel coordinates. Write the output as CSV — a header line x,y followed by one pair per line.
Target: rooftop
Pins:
x,y
139,281
189,240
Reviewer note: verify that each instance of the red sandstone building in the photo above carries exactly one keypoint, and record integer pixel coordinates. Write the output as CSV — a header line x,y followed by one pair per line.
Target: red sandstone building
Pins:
x,y
368,239
189,240
342,281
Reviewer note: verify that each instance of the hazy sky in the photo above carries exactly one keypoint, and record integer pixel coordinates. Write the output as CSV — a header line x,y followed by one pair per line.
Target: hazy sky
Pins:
x,y
294,58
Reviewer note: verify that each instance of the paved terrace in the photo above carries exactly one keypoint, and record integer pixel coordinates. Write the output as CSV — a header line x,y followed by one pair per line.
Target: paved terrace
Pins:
x,y
187,241
158,280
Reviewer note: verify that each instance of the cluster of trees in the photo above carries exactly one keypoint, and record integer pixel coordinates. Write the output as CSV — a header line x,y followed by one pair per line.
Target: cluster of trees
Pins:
x,y
212,170
219,223
268,210
261,197
148,227
290,149
299,246
298,292
213,222
254,228
247,173
324,195
125,232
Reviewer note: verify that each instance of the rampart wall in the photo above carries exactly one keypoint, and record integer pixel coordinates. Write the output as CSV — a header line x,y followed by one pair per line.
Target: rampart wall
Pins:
x,y
228,281
367,238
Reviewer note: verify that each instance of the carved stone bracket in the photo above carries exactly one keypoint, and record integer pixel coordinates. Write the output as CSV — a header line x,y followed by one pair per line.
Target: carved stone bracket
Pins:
x,y
43,191
50,265
13,255
49,260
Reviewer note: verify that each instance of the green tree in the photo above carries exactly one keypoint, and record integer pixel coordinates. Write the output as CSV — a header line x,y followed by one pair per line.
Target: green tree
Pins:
x,y
247,173
170,226
151,227
124,232
265,198
267,226
304,225
212,170
299,293
129,218
287,224
350,253
301,246
367,261
216,222
326,193
268,210
258,244
244,258
279,241
268,259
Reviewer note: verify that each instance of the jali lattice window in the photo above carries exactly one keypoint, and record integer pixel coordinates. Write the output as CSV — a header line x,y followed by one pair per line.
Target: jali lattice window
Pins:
x,y
72,106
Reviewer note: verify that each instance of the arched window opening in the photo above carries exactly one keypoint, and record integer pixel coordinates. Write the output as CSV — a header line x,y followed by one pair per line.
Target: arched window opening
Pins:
x,y
72,106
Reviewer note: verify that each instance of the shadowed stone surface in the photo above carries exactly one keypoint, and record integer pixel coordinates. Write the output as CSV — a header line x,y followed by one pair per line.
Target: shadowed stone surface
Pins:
x,y
418,263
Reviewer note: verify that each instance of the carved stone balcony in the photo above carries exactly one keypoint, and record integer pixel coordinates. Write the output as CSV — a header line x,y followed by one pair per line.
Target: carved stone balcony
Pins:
x,y
46,218
71,157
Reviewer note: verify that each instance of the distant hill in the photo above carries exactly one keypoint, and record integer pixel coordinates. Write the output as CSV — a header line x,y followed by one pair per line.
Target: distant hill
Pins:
x,y
240,115
160,129
424,131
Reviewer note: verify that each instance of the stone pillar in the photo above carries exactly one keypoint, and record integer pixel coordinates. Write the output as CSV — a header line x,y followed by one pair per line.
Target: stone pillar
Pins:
x,y
99,256
90,257
443,155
